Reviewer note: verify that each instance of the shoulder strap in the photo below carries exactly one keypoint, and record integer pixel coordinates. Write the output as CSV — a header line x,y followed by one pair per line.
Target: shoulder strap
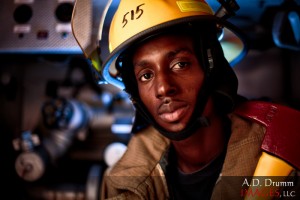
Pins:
x,y
282,137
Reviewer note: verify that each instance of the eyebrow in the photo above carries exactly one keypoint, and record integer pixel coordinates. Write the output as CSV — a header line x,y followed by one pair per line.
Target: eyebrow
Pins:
x,y
169,55
172,54
141,64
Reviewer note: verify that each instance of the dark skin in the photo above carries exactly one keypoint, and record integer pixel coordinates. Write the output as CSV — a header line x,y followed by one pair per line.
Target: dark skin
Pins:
x,y
169,78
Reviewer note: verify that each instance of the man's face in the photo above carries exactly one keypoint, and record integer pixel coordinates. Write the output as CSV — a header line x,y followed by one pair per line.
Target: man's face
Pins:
x,y
169,78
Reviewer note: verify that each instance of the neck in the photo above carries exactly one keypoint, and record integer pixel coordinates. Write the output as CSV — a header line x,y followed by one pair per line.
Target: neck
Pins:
x,y
202,147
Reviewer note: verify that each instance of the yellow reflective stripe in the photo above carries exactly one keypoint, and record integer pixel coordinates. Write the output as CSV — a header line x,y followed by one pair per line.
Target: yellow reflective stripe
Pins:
x,y
194,6
269,168
96,62
270,165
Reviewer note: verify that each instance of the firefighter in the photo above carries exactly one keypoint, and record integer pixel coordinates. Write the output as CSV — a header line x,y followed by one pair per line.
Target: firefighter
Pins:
x,y
187,140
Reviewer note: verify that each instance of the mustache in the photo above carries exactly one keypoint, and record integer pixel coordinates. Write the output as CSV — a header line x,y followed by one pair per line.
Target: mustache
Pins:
x,y
169,105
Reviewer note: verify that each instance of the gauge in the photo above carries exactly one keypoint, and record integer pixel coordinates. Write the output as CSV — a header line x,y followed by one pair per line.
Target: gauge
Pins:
x,y
29,166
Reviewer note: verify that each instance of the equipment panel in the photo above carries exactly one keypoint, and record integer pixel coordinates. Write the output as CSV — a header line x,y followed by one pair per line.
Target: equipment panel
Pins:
x,y
31,26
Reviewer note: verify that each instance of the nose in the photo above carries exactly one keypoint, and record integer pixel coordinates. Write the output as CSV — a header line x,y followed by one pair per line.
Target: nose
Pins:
x,y
165,86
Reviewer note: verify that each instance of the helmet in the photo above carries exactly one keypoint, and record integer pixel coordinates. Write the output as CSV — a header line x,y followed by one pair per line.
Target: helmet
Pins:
x,y
138,19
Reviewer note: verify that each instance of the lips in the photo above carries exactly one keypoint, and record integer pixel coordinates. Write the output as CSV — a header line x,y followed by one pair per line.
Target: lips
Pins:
x,y
172,111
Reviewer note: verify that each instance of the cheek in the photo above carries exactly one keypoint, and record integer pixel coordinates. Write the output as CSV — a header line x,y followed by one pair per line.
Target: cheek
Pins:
x,y
146,97
192,90
198,82
194,86
191,94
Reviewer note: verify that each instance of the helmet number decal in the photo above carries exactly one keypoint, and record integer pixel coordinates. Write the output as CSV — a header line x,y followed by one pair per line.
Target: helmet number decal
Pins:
x,y
134,14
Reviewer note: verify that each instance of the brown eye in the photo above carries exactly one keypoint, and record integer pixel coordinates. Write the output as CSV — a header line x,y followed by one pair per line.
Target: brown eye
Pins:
x,y
146,77
180,65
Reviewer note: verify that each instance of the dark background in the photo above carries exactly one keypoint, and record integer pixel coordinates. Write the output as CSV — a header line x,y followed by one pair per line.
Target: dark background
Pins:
x,y
40,61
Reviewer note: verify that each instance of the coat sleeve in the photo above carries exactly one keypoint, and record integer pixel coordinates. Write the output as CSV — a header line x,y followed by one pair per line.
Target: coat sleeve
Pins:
x,y
110,192
152,187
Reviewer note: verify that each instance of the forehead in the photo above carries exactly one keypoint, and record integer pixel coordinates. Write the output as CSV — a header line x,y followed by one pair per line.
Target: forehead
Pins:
x,y
163,44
